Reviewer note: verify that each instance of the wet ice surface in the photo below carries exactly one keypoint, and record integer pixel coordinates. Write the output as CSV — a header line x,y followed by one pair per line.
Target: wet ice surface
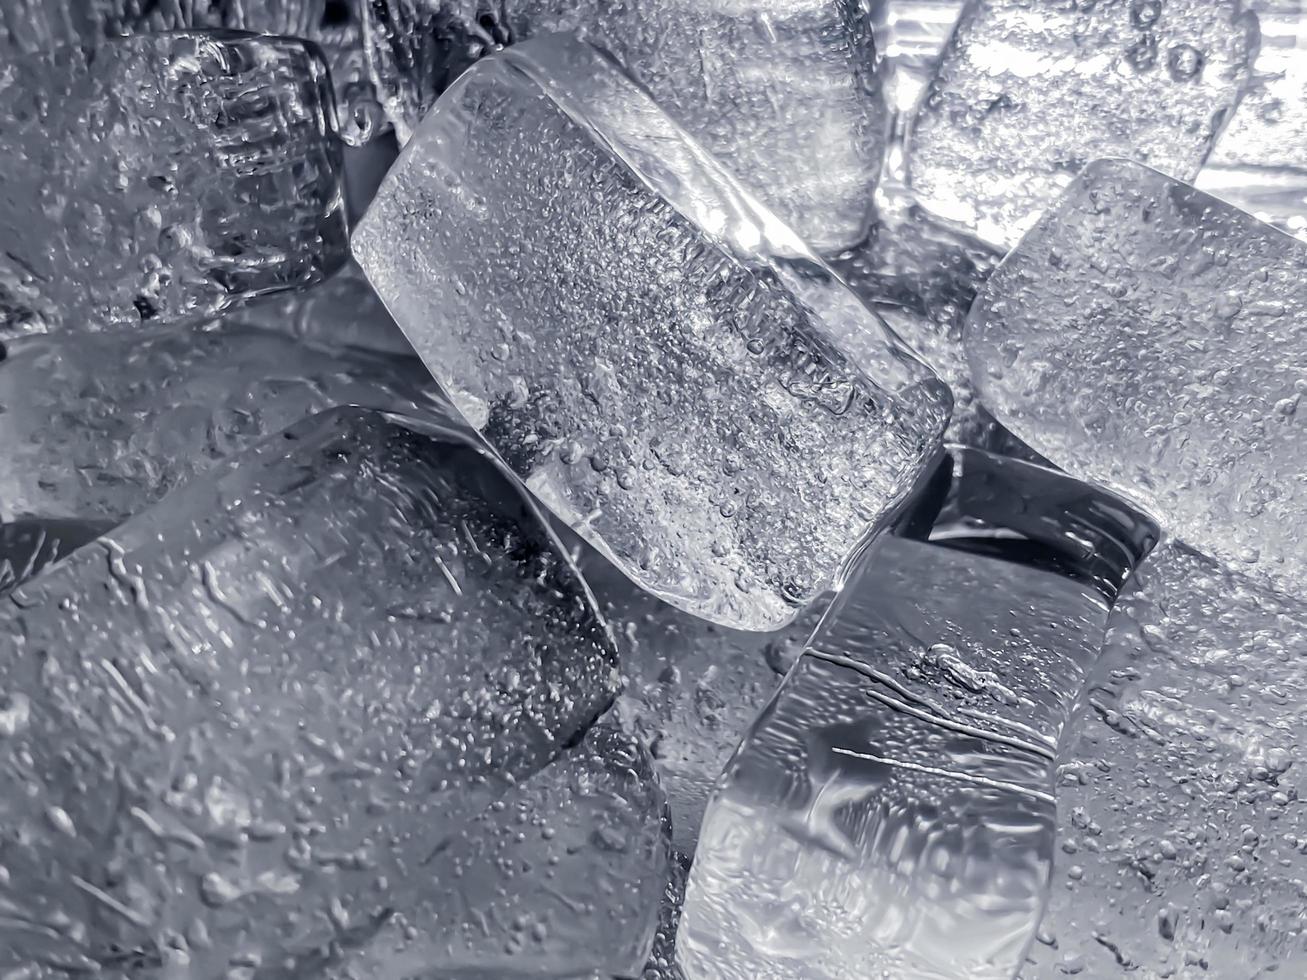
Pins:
x,y
1148,337
561,877
1260,163
783,93
911,34
31,26
687,388
29,545
163,178
101,426
1028,93
1183,837
892,809
236,731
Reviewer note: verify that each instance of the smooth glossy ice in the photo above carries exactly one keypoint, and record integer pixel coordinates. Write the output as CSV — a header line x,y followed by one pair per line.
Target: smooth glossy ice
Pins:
x,y
236,731
1260,163
562,877
911,35
1029,91
783,92
101,426
161,178
30,26
1149,337
891,812
1183,836
658,357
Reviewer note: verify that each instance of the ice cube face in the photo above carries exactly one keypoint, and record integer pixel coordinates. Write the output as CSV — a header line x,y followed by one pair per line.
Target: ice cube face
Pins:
x,y
562,877
1145,335
1260,163
783,93
164,177
101,426
33,26
27,546
654,354
1181,814
891,811
238,726
1030,91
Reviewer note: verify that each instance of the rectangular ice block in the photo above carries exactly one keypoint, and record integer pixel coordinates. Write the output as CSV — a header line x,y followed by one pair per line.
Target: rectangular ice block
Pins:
x,y
235,730
163,177
658,357
101,426
785,93
1149,337
1181,823
1029,91
891,811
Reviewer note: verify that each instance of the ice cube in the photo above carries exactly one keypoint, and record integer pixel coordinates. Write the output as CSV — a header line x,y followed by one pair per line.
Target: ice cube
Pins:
x,y
911,35
1260,163
101,426
31,26
1029,92
562,877
27,546
660,360
164,177
891,812
1181,815
239,726
785,94
1145,335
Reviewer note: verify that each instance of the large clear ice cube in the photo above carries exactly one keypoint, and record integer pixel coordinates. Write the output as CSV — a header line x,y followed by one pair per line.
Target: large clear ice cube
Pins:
x,y
1260,163
336,26
785,94
1147,336
235,731
101,426
891,811
660,359
1182,830
163,177
562,877
1029,91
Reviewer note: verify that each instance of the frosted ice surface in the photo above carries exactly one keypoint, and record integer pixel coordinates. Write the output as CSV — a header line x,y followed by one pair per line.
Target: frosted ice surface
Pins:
x,y
1182,832
1260,163
783,92
235,731
562,877
1149,337
100,426
344,311
1030,91
891,811
164,177
32,26
656,356
27,546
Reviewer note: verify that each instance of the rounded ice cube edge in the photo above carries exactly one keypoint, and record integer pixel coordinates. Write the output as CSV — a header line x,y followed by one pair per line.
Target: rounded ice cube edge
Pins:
x,y
836,349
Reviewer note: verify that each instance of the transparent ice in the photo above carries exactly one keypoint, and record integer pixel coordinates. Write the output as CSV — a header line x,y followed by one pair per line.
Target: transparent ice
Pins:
x,y
1260,163
162,178
1183,835
31,26
1030,91
561,877
658,358
237,730
29,545
891,811
784,92
911,35
1149,337
100,426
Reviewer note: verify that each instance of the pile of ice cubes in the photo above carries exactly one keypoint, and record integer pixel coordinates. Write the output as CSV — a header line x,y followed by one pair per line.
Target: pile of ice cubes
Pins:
x,y
663,489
